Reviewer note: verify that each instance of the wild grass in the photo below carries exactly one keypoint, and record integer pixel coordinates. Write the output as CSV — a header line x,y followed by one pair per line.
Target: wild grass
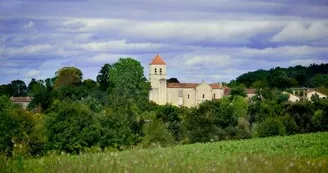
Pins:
x,y
298,153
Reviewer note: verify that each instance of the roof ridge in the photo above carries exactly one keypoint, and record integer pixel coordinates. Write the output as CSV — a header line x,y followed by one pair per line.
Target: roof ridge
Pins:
x,y
157,60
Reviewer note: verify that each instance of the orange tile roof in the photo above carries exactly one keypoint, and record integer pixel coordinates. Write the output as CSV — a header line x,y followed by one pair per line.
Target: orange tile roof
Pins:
x,y
157,61
191,85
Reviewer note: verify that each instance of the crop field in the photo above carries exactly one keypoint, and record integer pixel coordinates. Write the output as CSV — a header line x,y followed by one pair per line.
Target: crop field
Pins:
x,y
298,153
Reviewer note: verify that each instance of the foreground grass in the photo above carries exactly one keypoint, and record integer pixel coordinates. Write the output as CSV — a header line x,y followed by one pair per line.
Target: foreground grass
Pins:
x,y
299,153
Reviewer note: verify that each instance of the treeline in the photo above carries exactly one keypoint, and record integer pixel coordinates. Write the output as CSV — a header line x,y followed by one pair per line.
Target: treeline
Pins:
x,y
299,76
72,115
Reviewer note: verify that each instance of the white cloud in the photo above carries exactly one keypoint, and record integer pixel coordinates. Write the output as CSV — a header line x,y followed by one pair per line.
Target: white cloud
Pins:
x,y
29,25
297,32
29,49
32,74
213,60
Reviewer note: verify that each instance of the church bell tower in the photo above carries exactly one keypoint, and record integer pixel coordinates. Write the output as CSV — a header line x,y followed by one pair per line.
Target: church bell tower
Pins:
x,y
157,78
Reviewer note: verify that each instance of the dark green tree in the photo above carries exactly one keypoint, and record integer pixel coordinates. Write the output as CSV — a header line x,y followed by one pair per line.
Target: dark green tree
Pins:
x,y
172,80
103,77
18,88
319,80
71,126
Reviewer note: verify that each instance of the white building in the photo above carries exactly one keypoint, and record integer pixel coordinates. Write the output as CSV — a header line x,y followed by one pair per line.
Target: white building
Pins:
x,y
310,93
179,94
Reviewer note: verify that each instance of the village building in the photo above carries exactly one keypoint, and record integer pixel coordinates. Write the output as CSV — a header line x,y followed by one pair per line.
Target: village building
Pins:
x,y
310,93
179,94
23,101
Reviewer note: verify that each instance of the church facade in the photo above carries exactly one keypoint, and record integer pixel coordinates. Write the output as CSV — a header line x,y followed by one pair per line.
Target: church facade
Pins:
x,y
179,94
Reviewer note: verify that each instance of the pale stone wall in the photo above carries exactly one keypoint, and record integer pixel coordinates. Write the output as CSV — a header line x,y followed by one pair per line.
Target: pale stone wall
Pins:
x,y
293,98
157,78
203,92
218,93
191,97
309,95
173,96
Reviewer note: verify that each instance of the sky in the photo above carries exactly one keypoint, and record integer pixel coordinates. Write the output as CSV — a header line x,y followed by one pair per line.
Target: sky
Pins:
x,y
211,40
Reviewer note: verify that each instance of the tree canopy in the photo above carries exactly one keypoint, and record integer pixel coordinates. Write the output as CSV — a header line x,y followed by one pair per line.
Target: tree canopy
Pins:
x,y
68,76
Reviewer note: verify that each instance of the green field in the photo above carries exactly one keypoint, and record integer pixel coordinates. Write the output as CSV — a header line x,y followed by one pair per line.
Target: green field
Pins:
x,y
298,153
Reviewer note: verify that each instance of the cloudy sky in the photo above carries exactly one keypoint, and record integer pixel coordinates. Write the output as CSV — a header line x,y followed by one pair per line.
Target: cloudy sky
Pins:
x,y
211,40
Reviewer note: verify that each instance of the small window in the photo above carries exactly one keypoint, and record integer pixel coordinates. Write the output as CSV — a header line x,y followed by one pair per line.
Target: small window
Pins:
x,y
203,96
188,96
214,95
160,71
155,70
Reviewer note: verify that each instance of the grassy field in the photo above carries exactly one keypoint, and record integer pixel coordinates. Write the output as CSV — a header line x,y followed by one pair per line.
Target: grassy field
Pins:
x,y
298,153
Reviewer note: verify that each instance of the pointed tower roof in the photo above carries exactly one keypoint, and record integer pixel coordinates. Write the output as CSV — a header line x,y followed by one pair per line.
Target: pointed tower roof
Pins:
x,y
157,61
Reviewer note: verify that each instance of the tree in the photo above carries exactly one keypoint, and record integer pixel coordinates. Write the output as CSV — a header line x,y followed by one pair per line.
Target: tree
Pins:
x,y
71,126
90,84
270,127
170,114
6,89
172,80
30,86
157,133
119,128
240,106
68,76
103,77
42,97
238,91
18,88
319,80
130,86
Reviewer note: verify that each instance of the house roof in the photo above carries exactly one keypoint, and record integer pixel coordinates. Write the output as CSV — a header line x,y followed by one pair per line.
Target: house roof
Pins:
x,y
21,99
157,60
191,85
227,91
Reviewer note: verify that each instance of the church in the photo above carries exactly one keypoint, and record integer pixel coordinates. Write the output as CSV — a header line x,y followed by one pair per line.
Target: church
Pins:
x,y
179,94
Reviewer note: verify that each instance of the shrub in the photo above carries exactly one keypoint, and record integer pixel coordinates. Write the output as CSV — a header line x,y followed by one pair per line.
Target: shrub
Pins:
x,y
71,127
157,133
270,127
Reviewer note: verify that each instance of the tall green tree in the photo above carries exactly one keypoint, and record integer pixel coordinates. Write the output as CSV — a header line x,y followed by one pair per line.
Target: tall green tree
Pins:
x,y
68,77
18,88
130,86
103,77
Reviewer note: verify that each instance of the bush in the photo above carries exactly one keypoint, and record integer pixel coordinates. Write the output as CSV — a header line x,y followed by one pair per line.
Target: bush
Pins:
x,y
119,129
270,127
157,133
289,124
71,127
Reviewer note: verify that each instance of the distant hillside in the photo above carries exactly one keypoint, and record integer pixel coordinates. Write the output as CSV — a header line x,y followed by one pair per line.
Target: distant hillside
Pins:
x,y
314,75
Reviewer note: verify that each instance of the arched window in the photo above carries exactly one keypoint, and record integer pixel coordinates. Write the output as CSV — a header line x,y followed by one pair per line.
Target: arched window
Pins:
x,y
188,96
160,71
155,70
214,95
203,96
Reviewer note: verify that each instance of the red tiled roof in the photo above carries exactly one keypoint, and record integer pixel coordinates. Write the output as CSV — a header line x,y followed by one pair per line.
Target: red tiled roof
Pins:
x,y
227,91
191,85
21,99
157,61
181,85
